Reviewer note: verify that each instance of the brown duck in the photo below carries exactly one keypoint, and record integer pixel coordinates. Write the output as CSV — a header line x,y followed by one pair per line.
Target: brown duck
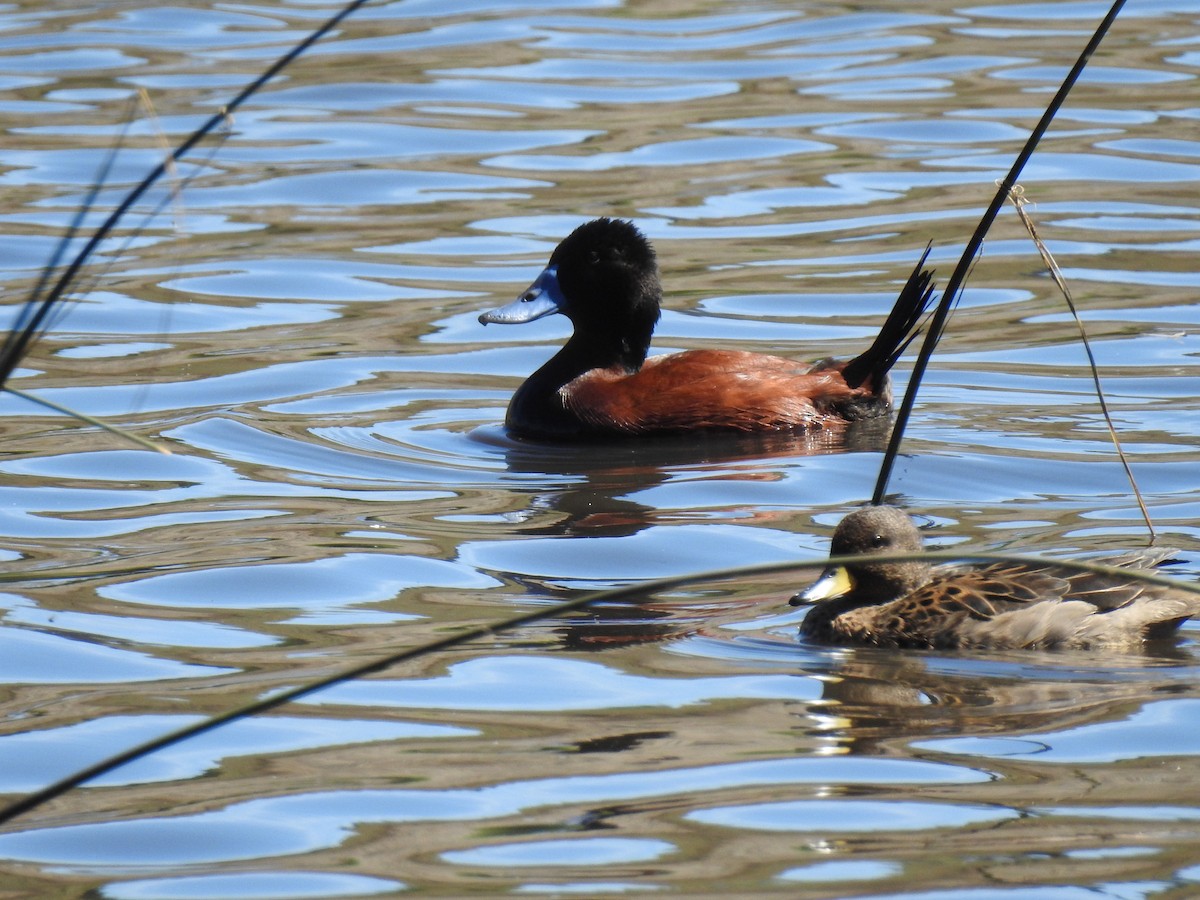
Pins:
x,y
998,605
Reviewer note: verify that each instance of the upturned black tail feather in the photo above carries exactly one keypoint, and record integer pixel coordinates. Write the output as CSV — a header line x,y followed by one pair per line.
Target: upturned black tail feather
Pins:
x,y
899,329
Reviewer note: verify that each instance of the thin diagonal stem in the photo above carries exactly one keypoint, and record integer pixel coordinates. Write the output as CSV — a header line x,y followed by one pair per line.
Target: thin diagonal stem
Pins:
x,y
179,152
938,320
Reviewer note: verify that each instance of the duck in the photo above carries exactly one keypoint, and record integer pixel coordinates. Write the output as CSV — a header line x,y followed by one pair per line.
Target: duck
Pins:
x,y
997,606
604,278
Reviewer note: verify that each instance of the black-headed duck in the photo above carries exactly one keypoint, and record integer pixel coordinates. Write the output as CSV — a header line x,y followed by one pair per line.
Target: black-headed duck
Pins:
x,y
996,606
604,278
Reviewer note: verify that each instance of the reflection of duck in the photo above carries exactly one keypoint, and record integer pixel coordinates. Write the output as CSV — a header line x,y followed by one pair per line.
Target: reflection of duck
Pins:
x,y
595,488
604,278
874,699
1001,605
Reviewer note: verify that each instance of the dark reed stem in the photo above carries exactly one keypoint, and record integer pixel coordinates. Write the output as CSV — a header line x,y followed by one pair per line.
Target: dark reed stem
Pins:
x,y
937,321
132,234
34,311
20,339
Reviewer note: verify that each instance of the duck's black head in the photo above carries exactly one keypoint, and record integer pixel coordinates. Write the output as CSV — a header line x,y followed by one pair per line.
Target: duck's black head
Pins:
x,y
604,278
871,530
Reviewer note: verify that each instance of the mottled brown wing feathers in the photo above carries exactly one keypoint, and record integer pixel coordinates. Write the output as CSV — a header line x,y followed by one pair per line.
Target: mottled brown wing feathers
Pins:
x,y
986,593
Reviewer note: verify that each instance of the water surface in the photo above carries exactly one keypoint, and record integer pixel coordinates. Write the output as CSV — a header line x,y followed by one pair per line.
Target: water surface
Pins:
x,y
294,315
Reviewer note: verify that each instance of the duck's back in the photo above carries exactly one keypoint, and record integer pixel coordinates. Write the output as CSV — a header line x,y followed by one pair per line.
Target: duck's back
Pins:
x,y
720,389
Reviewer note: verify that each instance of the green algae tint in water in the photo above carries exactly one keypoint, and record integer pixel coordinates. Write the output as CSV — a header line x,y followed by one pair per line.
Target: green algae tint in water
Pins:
x,y
299,326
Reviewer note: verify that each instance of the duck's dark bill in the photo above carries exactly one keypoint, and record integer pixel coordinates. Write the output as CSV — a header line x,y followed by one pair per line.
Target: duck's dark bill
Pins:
x,y
542,298
834,582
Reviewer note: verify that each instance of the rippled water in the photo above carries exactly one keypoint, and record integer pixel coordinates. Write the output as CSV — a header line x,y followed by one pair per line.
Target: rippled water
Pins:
x,y
299,326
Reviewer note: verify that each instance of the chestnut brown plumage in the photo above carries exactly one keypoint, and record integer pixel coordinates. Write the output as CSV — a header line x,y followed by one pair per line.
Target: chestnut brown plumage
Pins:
x,y
604,278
